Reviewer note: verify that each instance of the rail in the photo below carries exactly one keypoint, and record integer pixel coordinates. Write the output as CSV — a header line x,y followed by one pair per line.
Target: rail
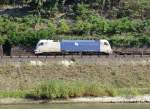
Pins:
x,y
76,56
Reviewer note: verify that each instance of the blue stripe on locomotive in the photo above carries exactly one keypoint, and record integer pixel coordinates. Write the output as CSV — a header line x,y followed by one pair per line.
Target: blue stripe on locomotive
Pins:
x,y
80,45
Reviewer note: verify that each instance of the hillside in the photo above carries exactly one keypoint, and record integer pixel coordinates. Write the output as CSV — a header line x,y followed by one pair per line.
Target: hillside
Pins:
x,y
125,23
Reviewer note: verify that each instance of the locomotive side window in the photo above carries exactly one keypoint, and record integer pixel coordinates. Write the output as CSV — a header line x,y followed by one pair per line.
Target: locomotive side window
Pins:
x,y
40,44
105,43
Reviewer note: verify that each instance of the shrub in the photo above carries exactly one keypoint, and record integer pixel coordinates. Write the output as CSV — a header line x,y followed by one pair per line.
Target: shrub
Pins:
x,y
127,25
81,11
2,39
144,41
82,27
125,40
52,28
63,27
97,24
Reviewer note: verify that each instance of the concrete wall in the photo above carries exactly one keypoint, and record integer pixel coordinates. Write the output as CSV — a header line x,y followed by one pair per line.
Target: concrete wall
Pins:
x,y
22,51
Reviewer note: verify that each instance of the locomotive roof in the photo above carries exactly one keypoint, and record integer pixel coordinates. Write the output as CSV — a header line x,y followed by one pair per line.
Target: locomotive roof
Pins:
x,y
45,40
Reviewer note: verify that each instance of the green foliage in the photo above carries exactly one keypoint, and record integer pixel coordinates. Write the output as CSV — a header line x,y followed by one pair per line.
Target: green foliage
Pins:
x,y
94,89
80,10
52,27
121,8
2,40
144,41
63,27
127,25
44,6
122,22
81,27
55,89
28,30
60,89
126,40
22,31
128,91
13,94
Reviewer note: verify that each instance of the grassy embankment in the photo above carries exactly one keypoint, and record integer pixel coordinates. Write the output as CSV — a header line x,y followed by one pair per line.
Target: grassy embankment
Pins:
x,y
58,89
52,80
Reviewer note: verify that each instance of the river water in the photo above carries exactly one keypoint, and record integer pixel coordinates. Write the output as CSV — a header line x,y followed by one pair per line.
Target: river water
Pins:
x,y
78,106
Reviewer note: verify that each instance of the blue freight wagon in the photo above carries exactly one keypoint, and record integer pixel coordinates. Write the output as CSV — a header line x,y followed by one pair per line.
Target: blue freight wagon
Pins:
x,y
80,45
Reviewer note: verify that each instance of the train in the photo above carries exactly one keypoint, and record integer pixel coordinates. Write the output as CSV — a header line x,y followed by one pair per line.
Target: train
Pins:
x,y
73,46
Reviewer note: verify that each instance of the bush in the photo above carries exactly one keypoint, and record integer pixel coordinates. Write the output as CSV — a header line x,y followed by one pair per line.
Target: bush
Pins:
x,y
127,25
126,40
98,25
52,28
2,40
63,27
81,11
82,27
144,41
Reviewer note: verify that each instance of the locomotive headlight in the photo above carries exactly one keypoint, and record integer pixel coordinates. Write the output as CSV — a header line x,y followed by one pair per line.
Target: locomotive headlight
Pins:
x,y
36,51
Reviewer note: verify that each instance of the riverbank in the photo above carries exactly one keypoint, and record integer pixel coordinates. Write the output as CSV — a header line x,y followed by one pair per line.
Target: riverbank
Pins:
x,y
104,79
136,99
122,72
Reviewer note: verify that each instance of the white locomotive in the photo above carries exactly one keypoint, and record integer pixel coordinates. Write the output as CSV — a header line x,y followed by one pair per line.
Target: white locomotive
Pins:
x,y
73,46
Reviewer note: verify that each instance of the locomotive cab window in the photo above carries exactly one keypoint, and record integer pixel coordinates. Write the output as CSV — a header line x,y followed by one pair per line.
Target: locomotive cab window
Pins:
x,y
40,44
105,43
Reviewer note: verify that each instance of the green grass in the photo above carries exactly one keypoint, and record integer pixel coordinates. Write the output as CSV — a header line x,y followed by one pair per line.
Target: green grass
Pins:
x,y
13,94
58,89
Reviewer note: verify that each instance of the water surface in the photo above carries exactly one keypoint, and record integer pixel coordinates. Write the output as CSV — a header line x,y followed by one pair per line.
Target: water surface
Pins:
x,y
78,106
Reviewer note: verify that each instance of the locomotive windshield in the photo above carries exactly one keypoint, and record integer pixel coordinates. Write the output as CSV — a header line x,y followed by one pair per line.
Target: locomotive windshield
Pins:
x,y
105,43
40,44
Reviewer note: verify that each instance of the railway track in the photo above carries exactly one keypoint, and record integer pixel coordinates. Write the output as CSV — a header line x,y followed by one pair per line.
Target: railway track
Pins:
x,y
78,56
132,53
84,59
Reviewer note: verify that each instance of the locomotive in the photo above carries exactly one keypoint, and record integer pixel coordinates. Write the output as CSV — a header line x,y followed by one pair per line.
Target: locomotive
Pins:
x,y
73,46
